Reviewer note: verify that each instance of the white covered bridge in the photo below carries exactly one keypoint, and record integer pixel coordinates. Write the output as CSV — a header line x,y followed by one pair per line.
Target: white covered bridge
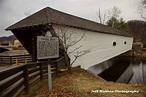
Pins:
x,y
98,41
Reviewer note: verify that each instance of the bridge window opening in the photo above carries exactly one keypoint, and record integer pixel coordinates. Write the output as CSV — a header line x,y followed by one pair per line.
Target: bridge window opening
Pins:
x,y
114,43
124,42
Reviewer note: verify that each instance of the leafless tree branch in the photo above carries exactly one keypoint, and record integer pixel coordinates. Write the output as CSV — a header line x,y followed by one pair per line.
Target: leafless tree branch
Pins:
x,y
74,49
79,54
142,9
104,17
100,17
76,41
143,16
69,39
114,12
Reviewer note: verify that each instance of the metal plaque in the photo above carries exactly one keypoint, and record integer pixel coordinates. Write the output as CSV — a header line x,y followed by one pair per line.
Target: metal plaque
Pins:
x,y
47,47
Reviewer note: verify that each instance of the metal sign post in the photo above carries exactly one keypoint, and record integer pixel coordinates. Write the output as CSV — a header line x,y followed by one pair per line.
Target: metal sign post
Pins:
x,y
47,47
49,78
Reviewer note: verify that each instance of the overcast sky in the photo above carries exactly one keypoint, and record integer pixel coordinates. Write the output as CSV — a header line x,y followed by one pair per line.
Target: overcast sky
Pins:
x,y
11,11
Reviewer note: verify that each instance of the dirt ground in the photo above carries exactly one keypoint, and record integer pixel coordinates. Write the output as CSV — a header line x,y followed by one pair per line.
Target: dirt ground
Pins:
x,y
82,84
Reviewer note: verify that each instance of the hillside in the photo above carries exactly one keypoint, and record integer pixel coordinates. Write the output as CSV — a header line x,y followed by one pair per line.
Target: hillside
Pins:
x,y
9,38
82,84
138,30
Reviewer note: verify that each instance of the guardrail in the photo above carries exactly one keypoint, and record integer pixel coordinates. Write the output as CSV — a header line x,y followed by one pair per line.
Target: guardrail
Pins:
x,y
13,58
20,78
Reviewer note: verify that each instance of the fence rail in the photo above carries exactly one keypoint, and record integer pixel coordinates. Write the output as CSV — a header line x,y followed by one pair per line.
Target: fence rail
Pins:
x,y
16,79
12,59
20,78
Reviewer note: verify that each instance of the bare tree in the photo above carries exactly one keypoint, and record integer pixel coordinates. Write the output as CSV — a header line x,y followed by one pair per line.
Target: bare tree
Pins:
x,y
102,20
138,30
143,9
144,3
114,13
70,39
143,74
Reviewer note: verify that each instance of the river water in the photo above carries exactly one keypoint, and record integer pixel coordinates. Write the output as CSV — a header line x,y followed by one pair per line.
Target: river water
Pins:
x,y
122,70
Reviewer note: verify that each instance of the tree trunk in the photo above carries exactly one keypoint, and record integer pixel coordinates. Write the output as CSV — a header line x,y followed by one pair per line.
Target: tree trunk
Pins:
x,y
62,47
67,60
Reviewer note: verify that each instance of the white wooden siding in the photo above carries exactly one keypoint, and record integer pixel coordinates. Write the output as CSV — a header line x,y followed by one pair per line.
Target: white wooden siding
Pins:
x,y
100,46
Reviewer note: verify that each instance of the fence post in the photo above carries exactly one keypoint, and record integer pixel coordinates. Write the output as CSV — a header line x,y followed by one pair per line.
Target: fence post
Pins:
x,y
26,79
57,68
10,60
41,70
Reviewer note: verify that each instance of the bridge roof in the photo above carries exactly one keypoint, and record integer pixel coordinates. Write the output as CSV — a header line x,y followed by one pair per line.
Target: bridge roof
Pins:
x,y
52,16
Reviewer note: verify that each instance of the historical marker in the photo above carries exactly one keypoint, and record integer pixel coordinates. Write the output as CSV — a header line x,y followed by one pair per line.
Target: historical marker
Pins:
x,y
47,47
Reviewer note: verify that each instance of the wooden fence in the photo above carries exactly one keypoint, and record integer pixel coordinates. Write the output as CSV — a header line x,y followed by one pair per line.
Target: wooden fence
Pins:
x,y
20,78
12,59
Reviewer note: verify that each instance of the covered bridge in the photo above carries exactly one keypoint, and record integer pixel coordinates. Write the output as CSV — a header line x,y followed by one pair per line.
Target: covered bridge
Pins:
x,y
99,42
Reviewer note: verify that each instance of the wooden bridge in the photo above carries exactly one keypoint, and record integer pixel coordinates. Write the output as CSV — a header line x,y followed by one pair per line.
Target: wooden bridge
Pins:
x,y
101,42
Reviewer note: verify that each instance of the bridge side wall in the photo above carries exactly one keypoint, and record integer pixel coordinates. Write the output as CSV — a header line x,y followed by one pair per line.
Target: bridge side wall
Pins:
x,y
98,46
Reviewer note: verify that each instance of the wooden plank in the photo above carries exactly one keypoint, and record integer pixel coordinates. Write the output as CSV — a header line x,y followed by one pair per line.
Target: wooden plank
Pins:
x,y
10,82
44,65
45,75
12,59
12,90
11,71
41,71
34,81
20,58
33,70
45,68
18,92
53,65
21,61
31,76
33,64
45,71
5,59
26,79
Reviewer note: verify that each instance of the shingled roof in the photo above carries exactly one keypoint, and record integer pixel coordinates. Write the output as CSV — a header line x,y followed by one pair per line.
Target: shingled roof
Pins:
x,y
52,16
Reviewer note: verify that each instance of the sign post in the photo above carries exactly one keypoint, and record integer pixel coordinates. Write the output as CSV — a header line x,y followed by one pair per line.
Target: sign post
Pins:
x,y
49,78
47,47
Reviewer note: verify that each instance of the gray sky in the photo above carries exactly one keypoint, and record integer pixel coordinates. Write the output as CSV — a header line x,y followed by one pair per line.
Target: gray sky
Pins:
x,y
11,11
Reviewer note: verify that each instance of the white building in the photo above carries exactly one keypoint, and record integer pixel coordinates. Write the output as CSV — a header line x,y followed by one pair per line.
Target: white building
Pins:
x,y
100,42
